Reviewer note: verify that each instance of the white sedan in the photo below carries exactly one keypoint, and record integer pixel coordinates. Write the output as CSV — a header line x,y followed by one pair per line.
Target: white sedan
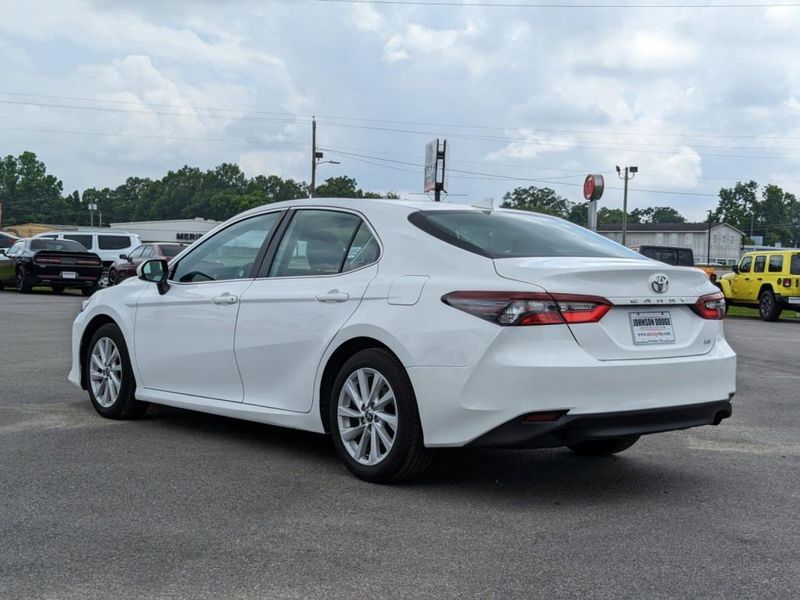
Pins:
x,y
399,327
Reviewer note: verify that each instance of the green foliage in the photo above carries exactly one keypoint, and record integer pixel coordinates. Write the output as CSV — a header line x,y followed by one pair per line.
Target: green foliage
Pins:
x,y
775,216
657,214
29,194
542,200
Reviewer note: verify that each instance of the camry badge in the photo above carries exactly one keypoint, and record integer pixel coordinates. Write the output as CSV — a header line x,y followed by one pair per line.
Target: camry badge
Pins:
x,y
659,282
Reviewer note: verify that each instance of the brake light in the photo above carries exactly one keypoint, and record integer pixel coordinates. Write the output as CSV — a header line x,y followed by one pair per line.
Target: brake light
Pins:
x,y
88,261
529,308
787,283
48,260
710,306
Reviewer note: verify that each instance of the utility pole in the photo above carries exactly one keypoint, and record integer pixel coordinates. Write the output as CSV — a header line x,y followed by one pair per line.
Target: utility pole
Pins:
x,y
313,156
316,158
708,247
629,173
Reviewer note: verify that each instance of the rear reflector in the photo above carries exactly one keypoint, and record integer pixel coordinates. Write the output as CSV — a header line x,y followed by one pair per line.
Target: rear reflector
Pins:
x,y
529,308
544,417
710,306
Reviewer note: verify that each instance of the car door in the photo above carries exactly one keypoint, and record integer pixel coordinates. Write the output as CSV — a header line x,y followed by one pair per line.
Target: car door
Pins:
x,y
756,278
741,281
8,263
312,281
184,338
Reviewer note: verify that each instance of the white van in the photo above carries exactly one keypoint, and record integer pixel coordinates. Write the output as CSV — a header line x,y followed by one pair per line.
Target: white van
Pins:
x,y
107,245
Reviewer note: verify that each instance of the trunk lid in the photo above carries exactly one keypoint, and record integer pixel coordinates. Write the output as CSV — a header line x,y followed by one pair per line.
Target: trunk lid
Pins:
x,y
638,311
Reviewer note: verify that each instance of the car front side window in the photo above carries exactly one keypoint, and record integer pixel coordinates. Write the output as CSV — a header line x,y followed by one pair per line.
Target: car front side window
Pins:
x,y
745,266
229,254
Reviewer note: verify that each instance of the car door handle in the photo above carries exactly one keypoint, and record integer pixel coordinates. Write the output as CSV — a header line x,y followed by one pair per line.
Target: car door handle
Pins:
x,y
333,296
225,298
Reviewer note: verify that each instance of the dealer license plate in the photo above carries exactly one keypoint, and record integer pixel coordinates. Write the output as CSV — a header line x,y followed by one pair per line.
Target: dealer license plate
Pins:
x,y
652,327
69,275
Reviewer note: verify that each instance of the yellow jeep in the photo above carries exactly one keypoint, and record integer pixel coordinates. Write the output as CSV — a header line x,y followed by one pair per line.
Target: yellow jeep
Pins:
x,y
768,279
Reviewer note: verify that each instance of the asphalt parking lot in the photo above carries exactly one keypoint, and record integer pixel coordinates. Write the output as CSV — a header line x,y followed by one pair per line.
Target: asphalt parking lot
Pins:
x,y
184,505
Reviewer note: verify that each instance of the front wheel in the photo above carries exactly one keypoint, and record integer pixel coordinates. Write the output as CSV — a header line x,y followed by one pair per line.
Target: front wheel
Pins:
x,y
374,419
768,307
604,447
108,373
112,277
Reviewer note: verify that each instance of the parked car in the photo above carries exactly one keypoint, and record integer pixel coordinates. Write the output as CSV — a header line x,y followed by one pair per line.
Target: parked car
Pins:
x,y
399,327
59,264
769,280
107,245
7,240
679,257
125,266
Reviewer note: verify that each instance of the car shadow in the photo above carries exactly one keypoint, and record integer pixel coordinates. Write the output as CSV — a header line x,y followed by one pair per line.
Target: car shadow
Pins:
x,y
544,477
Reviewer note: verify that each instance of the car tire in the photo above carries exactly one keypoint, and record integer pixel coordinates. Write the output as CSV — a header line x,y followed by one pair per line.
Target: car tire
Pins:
x,y
603,447
768,306
109,376
57,288
379,440
88,291
24,285
112,277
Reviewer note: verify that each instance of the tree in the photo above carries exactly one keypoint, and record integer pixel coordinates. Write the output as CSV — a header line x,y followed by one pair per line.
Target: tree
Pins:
x,y
657,214
542,200
28,193
738,206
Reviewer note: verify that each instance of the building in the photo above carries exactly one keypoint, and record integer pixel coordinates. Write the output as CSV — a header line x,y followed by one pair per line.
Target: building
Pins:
x,y
726,240
179,230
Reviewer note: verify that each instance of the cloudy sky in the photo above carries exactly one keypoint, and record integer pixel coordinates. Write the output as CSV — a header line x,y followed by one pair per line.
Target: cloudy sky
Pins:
x,y
697,98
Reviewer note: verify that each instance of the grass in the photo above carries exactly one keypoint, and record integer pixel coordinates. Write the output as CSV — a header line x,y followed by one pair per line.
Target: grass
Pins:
x,y
746,311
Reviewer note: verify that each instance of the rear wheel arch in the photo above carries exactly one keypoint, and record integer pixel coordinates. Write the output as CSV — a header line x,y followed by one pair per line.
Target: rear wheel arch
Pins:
x,y
336,362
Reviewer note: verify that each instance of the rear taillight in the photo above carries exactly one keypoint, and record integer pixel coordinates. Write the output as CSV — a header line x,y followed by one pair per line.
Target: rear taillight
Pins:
x,y
48,260
524,308
88,261
710,306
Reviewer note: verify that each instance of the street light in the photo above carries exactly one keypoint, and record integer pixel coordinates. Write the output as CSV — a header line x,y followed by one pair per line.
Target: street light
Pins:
x,y
629,173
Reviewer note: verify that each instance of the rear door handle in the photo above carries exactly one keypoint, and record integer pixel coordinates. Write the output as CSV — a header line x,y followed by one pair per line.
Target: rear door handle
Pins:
x,y
333,296
225,298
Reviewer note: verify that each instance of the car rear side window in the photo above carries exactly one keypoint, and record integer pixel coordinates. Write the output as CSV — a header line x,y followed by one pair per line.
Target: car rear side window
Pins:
x,y
113,242
776,263
761,261
794,266
315,243
496,234
83,240
685,258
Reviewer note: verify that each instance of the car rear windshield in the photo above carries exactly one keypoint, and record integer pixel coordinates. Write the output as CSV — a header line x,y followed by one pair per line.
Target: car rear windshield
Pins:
x,y
512,235
170,251
57,245
113,242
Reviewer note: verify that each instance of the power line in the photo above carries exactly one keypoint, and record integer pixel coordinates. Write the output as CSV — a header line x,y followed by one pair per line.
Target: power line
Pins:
x,y
453,3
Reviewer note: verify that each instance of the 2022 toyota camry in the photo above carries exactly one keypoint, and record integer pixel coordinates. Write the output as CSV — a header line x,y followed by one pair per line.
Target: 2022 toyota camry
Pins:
x,y
399,327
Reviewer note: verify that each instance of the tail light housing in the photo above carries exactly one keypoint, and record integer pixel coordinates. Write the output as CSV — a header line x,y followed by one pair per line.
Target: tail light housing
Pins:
x,y
710,306
529,308
89,261
47,260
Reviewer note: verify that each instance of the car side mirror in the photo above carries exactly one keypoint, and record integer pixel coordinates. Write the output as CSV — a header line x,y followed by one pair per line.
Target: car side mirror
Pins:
x,y
735,268
2,251
125,257
155,271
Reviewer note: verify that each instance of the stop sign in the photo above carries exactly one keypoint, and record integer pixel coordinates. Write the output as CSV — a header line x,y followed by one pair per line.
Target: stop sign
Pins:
x,y
593,187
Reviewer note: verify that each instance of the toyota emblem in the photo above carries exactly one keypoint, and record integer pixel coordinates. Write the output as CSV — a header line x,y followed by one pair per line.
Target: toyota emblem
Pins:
x,y
659,282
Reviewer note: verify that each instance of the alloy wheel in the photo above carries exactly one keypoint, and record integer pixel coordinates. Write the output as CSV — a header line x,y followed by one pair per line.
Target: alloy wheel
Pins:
x,y
367,416
105,372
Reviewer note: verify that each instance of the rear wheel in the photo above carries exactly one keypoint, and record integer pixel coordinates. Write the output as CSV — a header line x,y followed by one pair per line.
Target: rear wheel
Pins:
x,y
604,447
24,285
88,291
112,277
374,419
108,373
768,306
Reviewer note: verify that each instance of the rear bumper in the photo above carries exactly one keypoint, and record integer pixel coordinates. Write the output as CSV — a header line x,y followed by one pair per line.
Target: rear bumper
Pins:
x,y
573,429
529,370
788,302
